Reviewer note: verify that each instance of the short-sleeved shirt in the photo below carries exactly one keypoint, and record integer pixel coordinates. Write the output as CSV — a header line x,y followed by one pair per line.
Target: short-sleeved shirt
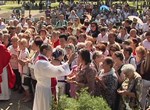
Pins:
x,y
13,60
24,54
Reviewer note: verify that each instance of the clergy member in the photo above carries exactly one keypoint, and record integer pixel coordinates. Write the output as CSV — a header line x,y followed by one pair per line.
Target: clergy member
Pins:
x,y
44,71
7,77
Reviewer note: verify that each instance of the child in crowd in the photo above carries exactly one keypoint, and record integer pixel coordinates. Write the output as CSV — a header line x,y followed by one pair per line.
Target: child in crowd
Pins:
x,y
23,68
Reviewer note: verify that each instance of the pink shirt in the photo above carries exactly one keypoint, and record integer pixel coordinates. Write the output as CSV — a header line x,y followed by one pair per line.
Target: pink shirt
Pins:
x,y
101,38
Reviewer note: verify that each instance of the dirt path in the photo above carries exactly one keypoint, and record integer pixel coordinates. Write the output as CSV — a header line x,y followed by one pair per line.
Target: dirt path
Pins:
x,y
34,13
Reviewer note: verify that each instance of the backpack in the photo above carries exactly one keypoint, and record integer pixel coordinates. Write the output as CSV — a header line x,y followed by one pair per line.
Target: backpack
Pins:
x,y
130,59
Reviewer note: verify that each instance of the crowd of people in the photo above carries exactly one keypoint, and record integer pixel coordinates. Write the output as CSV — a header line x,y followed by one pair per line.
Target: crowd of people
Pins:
x,y
75,47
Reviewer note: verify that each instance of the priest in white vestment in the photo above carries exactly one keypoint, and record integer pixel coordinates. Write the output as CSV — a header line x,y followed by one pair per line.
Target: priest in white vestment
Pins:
x,y
44,71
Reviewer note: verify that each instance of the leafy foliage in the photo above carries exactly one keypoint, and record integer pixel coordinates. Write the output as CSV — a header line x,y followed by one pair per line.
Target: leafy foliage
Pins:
x,y
84,102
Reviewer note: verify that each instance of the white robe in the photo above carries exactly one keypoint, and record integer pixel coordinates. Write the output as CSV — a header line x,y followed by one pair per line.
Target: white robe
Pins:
x,y
44,71
5,95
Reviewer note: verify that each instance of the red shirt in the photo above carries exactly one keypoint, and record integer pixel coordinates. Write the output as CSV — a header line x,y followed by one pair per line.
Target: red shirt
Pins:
x,y
56,43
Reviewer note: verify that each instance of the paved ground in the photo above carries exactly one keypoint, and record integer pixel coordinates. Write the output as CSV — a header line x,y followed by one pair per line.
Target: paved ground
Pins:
x,y
15,104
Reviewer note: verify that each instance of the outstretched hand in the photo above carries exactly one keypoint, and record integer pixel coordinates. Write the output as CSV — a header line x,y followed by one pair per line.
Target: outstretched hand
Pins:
x,y
71,58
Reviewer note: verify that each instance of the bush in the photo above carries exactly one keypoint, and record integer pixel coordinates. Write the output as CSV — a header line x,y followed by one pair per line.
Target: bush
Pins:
x,y
84,102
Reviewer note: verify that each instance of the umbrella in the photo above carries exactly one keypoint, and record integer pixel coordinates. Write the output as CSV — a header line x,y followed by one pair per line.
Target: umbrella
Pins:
x,y
135,18
104,8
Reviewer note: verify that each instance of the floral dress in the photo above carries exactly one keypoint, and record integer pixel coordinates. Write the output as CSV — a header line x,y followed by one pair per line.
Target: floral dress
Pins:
x,y
109,92
134,85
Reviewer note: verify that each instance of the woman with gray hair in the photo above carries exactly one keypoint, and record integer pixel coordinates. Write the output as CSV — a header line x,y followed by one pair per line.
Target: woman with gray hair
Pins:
x,y
131,89
97,59
70,49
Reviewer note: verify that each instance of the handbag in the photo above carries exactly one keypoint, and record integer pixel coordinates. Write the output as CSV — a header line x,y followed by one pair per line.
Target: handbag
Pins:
x,y
27,81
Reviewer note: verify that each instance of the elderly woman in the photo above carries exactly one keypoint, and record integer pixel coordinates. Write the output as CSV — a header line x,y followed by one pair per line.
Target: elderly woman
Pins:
x,y
106,82
131,89
97,58
37,42
73,16
58,56
70,49
85,76
118,57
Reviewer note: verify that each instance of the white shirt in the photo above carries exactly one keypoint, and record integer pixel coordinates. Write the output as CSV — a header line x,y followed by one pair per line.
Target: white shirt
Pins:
x,y
22,25
46,40
131,60
112,72
126,14
146,44
101,38
145,27
24,54
124,37
13,60
2,26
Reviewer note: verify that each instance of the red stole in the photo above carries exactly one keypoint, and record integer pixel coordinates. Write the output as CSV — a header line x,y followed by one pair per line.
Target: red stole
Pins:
x,y
53,80
4,62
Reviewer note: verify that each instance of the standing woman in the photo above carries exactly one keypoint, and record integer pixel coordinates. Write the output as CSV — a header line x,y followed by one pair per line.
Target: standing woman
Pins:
x,y
86,74
106,82
76,25
14,50
58,57
97,59
70,49
118,57
36,48
140,57
145,73
131,89
94,30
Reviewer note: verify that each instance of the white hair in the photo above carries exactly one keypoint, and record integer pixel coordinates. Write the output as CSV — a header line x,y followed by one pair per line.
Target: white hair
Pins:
x,y
97,53
80,45
70,46
128,68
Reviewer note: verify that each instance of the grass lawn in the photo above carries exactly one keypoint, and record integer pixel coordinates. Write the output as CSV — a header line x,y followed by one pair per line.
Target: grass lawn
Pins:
x,y
8,7
11,5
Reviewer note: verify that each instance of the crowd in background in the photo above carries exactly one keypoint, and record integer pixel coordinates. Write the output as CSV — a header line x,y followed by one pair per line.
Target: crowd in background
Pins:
x,y
112,51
